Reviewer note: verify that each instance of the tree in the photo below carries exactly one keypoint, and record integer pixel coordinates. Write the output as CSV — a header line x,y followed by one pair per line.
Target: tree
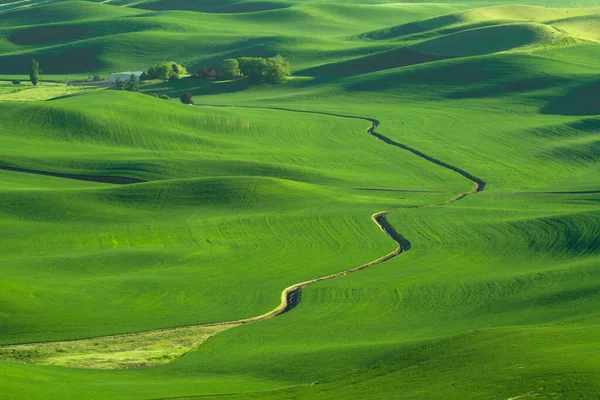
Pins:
x,y
166,70
264,70
133,84
278,69
34,73
230,68
186,98
254,68
120,83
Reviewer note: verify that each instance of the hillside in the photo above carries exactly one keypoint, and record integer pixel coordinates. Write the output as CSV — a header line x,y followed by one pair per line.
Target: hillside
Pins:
x,y
413,215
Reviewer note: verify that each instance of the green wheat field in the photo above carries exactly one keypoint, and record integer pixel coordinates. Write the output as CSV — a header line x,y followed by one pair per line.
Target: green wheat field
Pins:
x,y
436,163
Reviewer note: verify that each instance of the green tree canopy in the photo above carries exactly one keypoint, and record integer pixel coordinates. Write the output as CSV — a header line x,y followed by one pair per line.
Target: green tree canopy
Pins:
x,y
264,70
166,70
254,68
230,68
278,69
186,98
34,73
121,85
133,84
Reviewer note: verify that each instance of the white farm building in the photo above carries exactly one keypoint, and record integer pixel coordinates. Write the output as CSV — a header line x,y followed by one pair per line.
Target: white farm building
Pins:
x,y
124,75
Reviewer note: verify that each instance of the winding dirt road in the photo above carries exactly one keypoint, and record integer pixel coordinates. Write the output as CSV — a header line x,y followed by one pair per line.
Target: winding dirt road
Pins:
x,y
291,296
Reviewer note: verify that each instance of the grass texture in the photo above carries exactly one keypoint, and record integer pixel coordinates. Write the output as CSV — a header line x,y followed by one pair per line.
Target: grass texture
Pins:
x,y
496,298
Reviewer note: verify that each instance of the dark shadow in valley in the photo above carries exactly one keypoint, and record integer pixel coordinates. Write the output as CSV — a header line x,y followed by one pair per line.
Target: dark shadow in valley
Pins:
x,y
116,180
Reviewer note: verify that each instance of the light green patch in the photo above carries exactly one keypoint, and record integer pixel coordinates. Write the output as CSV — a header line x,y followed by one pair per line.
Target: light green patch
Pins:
x,y
46,91
114,352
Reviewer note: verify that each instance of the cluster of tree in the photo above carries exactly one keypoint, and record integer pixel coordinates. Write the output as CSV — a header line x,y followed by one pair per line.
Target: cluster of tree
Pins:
x,y
132,84
165,70
34,72
257,70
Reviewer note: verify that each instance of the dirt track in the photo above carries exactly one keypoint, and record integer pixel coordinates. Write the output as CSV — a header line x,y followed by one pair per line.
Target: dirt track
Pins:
x,y
291,296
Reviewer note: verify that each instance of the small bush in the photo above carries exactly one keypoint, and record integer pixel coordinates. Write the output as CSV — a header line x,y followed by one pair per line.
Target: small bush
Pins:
x,y
16,82
186,98
164,97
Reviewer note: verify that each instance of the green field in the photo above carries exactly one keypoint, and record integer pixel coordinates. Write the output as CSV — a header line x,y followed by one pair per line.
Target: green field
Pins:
x,y
145,244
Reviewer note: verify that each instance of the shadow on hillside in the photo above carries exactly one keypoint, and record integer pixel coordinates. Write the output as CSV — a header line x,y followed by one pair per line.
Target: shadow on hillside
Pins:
x,y
577,153
469,77
396,31
583,100
452,73
48,34
412,28
196,87
64,61
377,62
213,6
507,88
415,30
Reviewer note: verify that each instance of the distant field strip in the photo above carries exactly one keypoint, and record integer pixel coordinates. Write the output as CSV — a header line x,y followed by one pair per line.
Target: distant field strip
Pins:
x,y
164,345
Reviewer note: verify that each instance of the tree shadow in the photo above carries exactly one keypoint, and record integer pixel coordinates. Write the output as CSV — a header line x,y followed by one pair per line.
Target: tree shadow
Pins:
x,y
194,86
396,58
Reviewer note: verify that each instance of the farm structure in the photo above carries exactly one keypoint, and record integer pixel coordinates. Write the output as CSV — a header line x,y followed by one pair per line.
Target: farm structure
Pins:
x,y
209,73
124,75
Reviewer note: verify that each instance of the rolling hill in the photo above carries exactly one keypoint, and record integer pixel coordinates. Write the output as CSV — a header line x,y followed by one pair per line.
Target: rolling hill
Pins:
x,y
473,127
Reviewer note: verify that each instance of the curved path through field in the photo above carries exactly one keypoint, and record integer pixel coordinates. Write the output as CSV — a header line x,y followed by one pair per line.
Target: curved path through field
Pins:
x,y
290,296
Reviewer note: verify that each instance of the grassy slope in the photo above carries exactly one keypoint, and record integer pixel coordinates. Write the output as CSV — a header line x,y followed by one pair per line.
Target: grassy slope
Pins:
x,y
104,38
27,92
510,264
495,299
213,222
